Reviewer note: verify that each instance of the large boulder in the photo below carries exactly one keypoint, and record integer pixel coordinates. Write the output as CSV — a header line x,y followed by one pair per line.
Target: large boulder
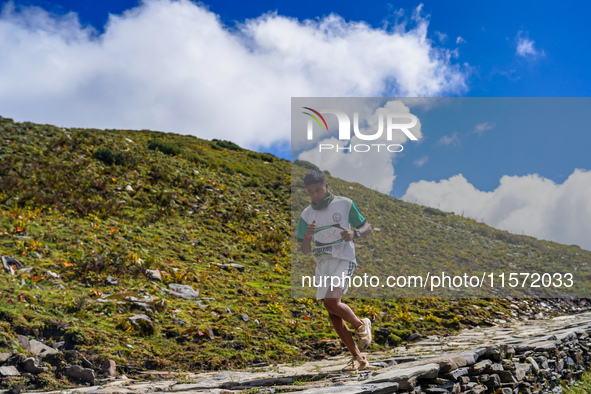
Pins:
x,y
407,377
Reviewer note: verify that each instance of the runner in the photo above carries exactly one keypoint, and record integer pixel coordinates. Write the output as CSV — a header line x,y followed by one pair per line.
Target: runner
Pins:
x,y
327,222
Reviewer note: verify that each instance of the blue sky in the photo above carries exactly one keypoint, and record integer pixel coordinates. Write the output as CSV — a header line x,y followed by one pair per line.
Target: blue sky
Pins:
x,y
228,69
490,33
490,30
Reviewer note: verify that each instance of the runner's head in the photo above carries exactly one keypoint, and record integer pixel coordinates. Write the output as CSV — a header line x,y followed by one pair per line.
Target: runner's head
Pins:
x,y
316,185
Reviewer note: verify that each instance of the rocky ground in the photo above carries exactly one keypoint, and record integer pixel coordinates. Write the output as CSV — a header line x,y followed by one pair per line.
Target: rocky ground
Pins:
x,y
528,355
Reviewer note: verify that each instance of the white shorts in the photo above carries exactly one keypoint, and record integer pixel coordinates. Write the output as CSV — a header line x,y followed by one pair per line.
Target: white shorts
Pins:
x,y
330,267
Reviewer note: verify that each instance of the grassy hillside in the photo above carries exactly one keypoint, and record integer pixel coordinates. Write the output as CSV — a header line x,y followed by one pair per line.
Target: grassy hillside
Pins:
x,y
89,211
413,240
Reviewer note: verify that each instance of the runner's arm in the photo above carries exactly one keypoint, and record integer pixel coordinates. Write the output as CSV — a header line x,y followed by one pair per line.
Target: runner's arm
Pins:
x,y
364,230
305,244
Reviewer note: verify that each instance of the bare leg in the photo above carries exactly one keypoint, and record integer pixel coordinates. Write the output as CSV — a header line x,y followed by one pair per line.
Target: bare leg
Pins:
x,y
343,331
339,313
333,305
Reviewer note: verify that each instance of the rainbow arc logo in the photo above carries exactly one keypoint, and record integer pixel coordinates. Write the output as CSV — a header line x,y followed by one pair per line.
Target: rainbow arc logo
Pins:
x,y
315,118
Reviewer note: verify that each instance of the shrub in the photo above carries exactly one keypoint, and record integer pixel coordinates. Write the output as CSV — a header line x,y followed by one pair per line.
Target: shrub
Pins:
x,y
305,164
157,173
110,157
223,144
433,211
168,148
262,156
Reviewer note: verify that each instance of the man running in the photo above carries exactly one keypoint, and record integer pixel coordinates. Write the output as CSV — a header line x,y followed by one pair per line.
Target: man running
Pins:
x,y
328,222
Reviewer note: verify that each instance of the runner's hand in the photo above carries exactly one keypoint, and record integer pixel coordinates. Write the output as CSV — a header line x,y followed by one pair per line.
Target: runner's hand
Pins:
x,y
347,235
310,230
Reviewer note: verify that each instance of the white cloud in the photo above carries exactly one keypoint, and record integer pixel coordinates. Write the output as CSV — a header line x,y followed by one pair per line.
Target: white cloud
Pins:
x,y
526,47
173,66
442,37
447,140
421,161
530,204
482,127
460,40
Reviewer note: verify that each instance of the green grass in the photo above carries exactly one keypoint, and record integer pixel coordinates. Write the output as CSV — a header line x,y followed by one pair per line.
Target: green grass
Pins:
x,y
583,386
66,208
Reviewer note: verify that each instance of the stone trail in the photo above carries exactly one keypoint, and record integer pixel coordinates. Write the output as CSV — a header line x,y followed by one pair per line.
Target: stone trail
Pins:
x,y
525,357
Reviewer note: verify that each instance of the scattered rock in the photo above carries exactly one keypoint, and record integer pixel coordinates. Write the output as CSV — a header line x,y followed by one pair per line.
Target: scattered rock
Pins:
x,y
507,377
23,341
10,263
402,359
244,317
58,345
522,370
183,291
109,368
154,275
257,383
229,266
142,323
534,364
4,357
477,389
52,274
85,362
480,367
129,188
40,349
83,374
407,377
472,356
30,365
383,332
413,337
494,368
111,281
436,390
367,388
449,363
379,364
9,371
454,375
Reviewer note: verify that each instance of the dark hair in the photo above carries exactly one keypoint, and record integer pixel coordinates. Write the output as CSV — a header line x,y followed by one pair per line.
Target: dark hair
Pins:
x,y
314,176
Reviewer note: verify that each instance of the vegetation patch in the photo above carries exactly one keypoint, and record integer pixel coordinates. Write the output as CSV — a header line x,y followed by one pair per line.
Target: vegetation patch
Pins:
x,y
88,226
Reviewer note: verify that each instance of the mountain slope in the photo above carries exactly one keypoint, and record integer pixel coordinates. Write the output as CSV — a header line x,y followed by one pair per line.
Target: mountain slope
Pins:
x,y
89,212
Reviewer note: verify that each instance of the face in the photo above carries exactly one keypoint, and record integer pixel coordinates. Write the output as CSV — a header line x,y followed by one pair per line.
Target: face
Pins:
x,y
317,191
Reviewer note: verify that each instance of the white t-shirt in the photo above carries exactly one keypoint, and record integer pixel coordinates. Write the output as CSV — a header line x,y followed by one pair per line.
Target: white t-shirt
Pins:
x,y
341,211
